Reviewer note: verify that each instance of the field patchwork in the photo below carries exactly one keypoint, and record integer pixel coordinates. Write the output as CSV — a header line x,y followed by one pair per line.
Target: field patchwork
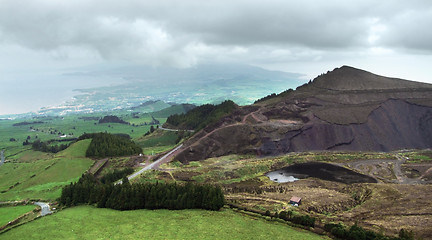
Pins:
x,y
42,178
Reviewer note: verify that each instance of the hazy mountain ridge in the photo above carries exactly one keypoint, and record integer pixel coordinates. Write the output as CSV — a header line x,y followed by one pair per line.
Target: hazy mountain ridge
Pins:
x,y
211,83
198,85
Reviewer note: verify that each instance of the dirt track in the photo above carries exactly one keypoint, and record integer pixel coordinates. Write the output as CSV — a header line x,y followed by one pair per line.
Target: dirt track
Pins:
x,y
375,169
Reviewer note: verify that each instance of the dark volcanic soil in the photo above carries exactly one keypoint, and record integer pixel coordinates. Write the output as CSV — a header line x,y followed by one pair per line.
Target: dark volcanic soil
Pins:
x,y
327,172
347,109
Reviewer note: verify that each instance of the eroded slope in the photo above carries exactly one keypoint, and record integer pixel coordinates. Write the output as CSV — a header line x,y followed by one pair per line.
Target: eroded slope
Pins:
x,y
346,109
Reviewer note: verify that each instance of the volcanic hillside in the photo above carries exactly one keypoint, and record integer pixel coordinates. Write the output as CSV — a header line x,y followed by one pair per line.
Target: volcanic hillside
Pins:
x,y
345,109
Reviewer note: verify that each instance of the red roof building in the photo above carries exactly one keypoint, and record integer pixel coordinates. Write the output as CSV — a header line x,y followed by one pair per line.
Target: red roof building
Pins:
x,y
295,200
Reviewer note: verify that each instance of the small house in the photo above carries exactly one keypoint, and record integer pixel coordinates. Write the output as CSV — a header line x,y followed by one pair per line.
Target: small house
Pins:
x,y
295,201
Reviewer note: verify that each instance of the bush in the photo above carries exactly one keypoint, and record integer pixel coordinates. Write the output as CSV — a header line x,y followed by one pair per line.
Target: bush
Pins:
x,y
44,147
304,220
406,234
284,215
356,233
339,232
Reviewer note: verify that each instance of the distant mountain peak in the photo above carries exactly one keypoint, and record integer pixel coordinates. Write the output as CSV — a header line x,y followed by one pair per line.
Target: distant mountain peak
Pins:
x,y
350,78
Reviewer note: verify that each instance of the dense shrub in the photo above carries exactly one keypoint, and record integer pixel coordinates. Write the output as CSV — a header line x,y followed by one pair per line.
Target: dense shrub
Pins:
x,y
142,195
356,232
116,175
109,145
273,95
112,119
201,116
406,234
285,215
45,147
304,220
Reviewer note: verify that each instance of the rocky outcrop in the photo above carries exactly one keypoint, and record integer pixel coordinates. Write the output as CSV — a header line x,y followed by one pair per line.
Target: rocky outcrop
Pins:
x,y
337,111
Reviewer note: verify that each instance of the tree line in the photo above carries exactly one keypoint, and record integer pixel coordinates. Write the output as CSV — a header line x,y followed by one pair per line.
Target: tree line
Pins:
x,y
338,230
358,233
38,145
126,196
115,175
110,145
201,116
112,119
273,95
304,220
26,123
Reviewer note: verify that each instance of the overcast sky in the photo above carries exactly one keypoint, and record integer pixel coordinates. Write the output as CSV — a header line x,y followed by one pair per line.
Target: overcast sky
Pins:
x,y
41,38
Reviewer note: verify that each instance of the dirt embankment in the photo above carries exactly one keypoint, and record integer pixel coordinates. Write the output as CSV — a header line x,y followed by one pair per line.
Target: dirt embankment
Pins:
x,y
395,124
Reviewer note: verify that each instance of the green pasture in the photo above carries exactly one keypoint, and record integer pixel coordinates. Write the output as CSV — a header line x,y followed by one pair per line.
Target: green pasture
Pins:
x,y
8,214
86,222
41,176
74,125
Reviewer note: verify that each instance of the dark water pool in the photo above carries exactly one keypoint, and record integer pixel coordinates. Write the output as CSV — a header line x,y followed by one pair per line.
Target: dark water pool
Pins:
x,y
324,171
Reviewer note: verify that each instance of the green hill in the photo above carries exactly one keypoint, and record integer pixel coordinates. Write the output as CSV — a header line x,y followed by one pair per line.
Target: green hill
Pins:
x,y
43,176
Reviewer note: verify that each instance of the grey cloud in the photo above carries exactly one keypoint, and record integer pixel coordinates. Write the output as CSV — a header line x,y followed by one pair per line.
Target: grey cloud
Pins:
x,y
280,23
182,33
410,30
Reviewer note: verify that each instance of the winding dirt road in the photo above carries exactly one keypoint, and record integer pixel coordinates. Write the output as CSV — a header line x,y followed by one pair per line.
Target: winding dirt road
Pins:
x,y
401,178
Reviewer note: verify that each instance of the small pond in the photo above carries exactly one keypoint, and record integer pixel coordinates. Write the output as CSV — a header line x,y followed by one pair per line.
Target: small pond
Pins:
x,y
324,171
280,176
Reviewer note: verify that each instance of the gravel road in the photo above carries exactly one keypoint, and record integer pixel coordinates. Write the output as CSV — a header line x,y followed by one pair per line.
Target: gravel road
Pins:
x,y
152,165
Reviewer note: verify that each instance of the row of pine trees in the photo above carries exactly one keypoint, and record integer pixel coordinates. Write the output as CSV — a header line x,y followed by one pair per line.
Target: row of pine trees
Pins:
x,y
126,196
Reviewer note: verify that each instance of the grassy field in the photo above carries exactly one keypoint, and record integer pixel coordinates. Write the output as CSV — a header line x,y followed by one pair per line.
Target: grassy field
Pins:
x,y
92,223
29,174
51,128
41,175
8,214
14,132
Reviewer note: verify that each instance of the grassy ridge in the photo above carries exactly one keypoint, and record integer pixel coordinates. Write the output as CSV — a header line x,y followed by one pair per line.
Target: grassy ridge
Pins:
x,y
8,214
93,223
42,178
158,138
